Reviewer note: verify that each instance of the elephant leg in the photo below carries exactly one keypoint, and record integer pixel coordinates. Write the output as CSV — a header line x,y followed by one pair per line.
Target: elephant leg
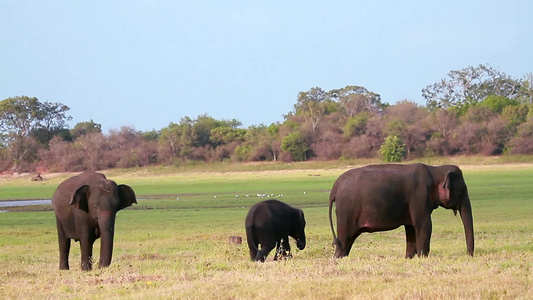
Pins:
x,y
287,247
268,243
86,245
253,244
345,243
283,249
423,236
410,237
278,250
64,247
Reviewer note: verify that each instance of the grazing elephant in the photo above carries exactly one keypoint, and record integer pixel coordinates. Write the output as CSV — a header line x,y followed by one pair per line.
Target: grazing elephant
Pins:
x,y
270,223
384,197
85,206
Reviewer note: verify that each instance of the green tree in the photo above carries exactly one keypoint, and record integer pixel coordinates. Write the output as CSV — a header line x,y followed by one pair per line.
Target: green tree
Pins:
x,y
393,150
356,125
312,105
243,152
18,116
225,135
22,115
274,140
395,127
83,128
202,128
498,103
516,114
295,144
176,139
53,122
357,99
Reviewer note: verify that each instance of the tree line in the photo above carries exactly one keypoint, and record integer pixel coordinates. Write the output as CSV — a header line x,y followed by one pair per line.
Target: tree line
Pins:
x,y
475,110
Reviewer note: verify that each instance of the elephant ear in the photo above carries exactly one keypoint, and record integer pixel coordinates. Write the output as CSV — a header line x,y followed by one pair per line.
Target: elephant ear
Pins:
x,y
444,188
301,215
80,197
126,196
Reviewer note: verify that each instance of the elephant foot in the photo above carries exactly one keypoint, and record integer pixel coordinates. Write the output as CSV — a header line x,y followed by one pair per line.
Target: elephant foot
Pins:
x,y
283,255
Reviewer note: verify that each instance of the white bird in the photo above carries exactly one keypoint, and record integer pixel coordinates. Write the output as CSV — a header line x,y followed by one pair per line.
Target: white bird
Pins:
x,y
236,196
215,196
305,193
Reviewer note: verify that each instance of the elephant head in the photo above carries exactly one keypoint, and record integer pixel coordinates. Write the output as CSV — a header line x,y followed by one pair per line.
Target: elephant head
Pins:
x,y
453,194
298,231
102,201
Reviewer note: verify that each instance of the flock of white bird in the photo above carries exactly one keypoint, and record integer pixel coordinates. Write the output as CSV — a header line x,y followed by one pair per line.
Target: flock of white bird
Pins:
x,y
258,195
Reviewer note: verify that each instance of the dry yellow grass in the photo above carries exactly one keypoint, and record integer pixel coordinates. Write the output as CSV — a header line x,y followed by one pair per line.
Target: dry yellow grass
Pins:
x,y
177,252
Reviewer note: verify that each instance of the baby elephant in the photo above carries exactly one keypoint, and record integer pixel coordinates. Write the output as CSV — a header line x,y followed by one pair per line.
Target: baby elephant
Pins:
x,y
270,223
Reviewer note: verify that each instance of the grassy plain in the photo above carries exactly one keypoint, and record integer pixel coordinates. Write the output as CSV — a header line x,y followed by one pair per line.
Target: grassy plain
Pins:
x,y
167,248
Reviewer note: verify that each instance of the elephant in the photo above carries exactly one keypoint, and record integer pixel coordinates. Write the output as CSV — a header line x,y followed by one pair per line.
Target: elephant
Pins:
x,y
384,197
85,206
270,223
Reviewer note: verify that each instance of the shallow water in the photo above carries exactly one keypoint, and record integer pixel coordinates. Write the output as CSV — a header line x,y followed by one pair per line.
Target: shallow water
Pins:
x,y
24,202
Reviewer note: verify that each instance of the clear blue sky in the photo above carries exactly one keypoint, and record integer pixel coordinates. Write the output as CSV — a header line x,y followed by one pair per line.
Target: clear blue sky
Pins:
x,y
146,63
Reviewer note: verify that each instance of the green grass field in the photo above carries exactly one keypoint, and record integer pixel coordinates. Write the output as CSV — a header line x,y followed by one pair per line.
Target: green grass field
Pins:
x,y
169,248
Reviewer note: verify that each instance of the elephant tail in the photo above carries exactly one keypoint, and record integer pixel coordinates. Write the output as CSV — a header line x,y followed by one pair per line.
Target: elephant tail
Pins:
x,y
251,245
331,200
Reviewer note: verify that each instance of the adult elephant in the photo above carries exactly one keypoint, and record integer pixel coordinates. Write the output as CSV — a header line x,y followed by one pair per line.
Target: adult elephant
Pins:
x,y
85,207
385,197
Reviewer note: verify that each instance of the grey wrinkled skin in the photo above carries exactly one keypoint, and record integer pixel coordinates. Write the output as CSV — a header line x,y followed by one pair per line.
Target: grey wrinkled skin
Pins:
x,y
385,197
85,207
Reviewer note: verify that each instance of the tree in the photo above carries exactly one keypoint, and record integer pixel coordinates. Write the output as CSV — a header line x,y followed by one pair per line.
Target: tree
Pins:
x,y
441,123
356,125
357,99
295,144
275,143
243,152
22,115
54,116
526,91
176,139
53,122
522,143
225,135
467,87
18,116
203,126
498,103
405,120
83,128
312,105
516,114
392,150
92,148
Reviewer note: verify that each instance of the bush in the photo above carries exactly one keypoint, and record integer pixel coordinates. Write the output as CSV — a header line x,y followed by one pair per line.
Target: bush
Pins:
x,y
393,150
243,152
295,144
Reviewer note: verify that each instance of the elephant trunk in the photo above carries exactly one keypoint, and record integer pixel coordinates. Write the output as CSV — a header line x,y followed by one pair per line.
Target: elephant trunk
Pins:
x,y
300,243
466,216
106,222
